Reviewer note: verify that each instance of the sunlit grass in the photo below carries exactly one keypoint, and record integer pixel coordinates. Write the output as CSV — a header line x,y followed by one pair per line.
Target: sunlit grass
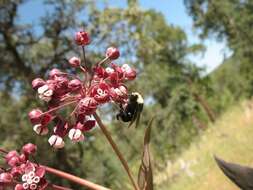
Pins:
x,y
230,138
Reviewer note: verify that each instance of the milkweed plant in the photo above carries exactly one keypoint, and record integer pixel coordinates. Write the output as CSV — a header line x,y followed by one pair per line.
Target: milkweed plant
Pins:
x,y
100,83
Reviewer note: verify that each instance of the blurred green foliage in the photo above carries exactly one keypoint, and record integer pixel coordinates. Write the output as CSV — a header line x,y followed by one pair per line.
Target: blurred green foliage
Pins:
x,y
175,90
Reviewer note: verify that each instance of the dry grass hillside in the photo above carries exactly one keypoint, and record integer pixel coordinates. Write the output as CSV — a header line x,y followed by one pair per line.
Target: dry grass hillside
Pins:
x,y
230,138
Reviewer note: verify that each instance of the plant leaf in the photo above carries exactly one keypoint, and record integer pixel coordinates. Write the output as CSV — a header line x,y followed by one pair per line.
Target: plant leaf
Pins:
x,y
145,176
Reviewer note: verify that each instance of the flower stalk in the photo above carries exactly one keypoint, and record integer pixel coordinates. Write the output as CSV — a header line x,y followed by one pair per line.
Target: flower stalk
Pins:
x,y
75,179
116,150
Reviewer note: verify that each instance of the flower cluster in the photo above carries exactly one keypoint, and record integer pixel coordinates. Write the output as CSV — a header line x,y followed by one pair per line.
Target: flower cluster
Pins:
x,y
100,83
22,172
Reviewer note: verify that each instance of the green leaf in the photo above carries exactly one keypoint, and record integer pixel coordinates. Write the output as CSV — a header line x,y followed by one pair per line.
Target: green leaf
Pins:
x,y
145,176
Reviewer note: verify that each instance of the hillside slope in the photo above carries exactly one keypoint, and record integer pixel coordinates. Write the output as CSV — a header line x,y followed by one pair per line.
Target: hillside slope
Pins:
x,y
230,138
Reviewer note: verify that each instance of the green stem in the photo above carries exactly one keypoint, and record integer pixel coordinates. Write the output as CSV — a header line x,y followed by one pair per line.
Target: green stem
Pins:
x,y
116,150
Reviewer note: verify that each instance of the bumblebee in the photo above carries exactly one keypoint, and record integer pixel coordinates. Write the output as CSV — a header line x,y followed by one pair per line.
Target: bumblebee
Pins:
x,y
132,110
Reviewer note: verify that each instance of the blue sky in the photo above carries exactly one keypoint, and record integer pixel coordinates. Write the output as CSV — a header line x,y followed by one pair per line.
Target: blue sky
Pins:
x,y
174,12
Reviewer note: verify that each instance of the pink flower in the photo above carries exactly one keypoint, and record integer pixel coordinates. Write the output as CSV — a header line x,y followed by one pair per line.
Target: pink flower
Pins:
x,y
16,171
45,93
56,141
32,176
86,125
101,93
100,72
130,73
74,62
109,70
112,53
40,129
38,82
87,106
46,119
76,135
83,94
119,94
82,38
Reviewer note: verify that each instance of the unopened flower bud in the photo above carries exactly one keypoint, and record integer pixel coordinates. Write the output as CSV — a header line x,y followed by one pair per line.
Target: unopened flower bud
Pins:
x,y
14,161
29,148
19,187
82,38
11,154
56,141
112,53
55,73
38,82
75,61
35,116
74,84
6,177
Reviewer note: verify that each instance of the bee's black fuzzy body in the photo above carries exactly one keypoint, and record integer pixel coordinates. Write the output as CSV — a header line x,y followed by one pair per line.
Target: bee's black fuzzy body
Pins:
x,y
131,112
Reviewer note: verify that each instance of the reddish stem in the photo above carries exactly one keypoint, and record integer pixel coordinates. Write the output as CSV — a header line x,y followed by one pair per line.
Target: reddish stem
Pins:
x,y
58,107
116,150
57,187
51,186
75,179
3,151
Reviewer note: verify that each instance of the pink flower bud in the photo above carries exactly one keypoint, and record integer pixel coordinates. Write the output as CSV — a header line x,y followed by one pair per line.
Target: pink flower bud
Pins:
x,y
76,135
55,73
19,187
74,85
56,141
11,154
38,82
22,158
74,62
35,116
6,177
14,161
40,129
112,53
29,148
82,38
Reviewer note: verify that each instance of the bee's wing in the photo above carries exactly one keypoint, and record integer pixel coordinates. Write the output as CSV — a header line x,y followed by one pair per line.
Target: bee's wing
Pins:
x,y
138,115
134,116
